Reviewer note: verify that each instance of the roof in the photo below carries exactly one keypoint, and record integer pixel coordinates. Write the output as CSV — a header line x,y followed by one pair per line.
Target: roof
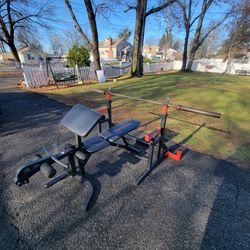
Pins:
x,y
115,42
30,49
126,48
171,50
152,48
7,55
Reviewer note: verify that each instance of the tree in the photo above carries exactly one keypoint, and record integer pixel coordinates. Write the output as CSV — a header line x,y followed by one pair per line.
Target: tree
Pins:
x,y
15,15
191,16
152,41
199,38
202,52
166,42
78,55
238,41
125,33
2,48
71,38
140,21
94,44
177,45
26,38
187,8
56,45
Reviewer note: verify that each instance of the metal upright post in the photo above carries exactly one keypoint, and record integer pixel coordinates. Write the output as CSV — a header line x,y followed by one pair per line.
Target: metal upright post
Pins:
x,y
78,140
163,127
108,96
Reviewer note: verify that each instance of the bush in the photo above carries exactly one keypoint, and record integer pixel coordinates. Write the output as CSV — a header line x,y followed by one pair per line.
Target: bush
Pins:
x,y
147,60
78,55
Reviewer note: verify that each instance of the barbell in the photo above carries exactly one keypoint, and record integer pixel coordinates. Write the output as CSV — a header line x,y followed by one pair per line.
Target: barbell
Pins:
x,y
178,107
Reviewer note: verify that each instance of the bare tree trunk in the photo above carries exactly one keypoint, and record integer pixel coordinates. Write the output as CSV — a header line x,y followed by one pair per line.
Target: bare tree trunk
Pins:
x,y
95,42
196,44
141,14
137,59
191,60
185,52
14,51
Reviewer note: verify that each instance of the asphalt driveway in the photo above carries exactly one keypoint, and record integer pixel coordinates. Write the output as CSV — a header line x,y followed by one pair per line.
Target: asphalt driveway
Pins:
x,y
197,203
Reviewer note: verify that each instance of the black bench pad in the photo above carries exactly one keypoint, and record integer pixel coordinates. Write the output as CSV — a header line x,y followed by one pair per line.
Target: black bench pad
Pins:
x,y
95,144
119,130
81,120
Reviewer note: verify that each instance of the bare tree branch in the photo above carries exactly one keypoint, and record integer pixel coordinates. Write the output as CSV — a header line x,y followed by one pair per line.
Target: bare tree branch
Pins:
x,y
160,7
195,19
77,25
213,28
130,7
2,39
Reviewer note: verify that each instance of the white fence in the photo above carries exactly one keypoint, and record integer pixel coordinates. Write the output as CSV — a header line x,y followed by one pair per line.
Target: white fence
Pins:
x,y
157,67
34,75
115,71
43,75
216,67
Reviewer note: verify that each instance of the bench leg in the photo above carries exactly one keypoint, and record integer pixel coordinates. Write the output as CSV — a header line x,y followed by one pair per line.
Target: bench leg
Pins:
x,y
82,161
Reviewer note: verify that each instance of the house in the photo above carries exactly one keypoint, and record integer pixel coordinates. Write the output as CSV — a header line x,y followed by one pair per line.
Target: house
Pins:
x,y
115,49
151,51
155,53
169,54
30,55
7,58
27,55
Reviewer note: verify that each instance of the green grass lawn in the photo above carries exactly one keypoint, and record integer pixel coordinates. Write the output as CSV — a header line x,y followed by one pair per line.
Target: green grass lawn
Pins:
x,y
227,138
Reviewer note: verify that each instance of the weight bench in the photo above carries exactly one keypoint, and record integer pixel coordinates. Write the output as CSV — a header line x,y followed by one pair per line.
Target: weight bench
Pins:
x,y
81,121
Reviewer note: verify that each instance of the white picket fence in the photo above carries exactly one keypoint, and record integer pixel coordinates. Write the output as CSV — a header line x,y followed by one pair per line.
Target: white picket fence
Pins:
x,y
40,75
34,75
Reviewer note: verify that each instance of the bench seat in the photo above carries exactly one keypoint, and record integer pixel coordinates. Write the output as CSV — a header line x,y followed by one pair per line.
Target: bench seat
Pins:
x,y
121,129
95,144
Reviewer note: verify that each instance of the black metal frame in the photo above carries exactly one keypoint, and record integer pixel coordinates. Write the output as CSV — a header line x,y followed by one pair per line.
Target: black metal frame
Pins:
x,y
161,151
158,140
73,153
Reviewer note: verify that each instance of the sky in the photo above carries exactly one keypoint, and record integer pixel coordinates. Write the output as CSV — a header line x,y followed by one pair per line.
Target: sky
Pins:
x,y
116,20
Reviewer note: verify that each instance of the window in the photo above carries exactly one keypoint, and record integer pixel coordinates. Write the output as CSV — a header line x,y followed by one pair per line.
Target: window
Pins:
x,y
29,56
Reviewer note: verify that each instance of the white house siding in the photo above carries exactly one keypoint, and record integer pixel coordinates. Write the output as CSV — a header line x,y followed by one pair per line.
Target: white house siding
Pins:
x,y
31,56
